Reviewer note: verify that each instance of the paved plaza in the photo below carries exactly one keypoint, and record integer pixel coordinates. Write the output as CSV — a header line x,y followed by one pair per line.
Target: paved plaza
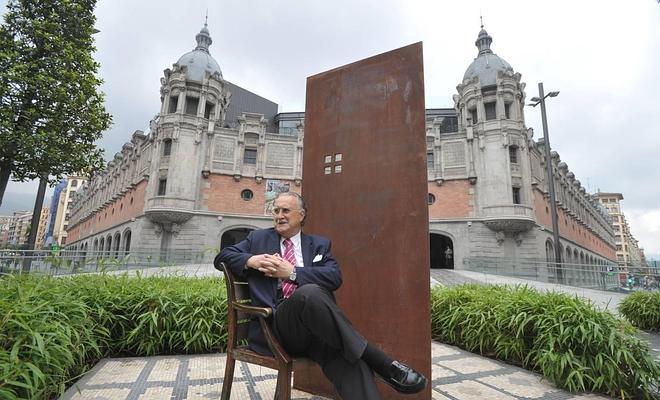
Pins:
x,y
456,373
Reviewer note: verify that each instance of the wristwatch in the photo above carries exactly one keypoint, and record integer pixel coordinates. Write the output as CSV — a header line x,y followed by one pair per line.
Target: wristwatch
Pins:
x,y
292,275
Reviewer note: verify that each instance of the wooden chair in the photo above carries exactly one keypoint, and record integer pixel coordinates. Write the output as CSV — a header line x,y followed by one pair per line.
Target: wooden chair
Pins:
x,y
239,313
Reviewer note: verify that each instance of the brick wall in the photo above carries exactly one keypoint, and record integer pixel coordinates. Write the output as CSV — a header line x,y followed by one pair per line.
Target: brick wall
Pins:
x,y
127,206
570,228
452,199
223,194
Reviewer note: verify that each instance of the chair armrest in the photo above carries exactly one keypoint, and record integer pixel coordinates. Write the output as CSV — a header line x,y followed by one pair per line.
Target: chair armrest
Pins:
x,y
263,312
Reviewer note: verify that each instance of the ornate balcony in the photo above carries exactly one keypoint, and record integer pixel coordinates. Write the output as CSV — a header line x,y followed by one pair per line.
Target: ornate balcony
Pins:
x,y
509,218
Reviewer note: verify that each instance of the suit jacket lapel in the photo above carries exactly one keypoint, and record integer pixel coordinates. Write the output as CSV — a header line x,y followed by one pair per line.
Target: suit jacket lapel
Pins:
x,y
273,243
306,244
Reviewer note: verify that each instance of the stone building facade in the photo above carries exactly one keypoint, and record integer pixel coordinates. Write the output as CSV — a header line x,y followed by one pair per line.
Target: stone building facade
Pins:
x,y
199,180
196,179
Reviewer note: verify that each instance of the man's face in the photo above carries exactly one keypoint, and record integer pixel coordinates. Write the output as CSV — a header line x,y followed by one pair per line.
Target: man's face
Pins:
x,y
288,216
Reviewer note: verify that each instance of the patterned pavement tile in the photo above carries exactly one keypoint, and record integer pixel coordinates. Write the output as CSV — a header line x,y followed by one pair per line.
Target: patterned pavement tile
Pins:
x,y
212,391
471,390
156,393
164,370
102,394
523,384
470,365
119,371
439,372
437,396
257,371
439,349
209,367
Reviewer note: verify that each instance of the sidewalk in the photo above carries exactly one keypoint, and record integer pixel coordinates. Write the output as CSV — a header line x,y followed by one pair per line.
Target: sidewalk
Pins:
x,y
456,375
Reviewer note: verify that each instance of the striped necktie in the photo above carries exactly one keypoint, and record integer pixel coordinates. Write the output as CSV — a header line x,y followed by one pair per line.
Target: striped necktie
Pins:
x,y
288,287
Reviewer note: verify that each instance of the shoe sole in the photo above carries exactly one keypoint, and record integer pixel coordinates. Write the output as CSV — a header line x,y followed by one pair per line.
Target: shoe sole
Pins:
x,y
403,390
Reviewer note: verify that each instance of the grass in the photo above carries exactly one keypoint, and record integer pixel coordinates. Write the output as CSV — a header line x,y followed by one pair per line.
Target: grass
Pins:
x,y
642,309
52,330
572,343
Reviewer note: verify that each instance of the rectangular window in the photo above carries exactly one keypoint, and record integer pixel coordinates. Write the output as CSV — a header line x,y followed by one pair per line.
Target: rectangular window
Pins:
x,y
208,110
167,147
250,156
507,110
513,154
473,115
174,101
490,110
191,105
162,186
516,195
429,161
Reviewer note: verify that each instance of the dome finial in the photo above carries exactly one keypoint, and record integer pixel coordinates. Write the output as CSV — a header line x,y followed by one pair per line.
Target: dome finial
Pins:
x,y
203,37
206,19
483,40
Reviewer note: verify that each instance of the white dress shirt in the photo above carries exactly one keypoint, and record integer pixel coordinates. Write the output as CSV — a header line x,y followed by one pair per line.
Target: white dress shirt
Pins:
x,y
297,249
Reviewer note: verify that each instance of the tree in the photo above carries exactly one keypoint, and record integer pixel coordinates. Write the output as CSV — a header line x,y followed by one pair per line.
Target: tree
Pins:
x,y
51,109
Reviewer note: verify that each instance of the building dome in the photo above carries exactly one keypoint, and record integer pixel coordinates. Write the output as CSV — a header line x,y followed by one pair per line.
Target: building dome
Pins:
x,y
487,64
200,60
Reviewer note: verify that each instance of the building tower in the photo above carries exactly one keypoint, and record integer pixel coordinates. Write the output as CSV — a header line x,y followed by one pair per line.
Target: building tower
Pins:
x,y
194,99
489,104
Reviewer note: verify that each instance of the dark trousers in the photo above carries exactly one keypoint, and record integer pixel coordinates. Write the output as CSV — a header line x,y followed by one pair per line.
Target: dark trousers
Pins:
x,y
310,324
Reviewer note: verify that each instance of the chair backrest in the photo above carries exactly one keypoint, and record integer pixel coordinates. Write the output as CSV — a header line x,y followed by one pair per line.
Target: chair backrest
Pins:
x,y
237,292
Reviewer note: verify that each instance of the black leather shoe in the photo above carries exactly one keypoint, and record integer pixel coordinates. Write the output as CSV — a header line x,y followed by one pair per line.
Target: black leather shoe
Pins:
x,y
405,379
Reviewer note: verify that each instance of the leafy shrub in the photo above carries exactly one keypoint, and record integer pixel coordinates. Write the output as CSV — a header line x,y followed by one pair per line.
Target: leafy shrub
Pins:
x,y
53,330
569,341
642,309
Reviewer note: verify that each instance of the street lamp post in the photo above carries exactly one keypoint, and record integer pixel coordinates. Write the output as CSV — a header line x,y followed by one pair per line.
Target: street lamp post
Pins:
x,y
551,183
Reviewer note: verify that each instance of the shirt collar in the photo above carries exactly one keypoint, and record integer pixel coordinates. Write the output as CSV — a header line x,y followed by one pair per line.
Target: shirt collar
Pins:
x,y
295,239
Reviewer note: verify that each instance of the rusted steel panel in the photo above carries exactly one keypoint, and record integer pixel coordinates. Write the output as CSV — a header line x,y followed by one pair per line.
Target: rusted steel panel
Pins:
x,y
366,187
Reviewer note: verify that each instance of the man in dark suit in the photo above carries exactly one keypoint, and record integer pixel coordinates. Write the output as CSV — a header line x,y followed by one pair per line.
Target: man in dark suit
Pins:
x,y
295,274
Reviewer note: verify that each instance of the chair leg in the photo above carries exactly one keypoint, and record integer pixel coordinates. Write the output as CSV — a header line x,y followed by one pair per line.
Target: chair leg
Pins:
x,y
283,389
229,377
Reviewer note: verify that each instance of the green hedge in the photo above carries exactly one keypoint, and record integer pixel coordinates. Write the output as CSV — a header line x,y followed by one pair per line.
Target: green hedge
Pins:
x,y
569,341
53,330
642,309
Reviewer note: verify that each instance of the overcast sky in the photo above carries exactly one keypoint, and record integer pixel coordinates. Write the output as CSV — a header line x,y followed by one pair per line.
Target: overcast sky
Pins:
x,y
603,56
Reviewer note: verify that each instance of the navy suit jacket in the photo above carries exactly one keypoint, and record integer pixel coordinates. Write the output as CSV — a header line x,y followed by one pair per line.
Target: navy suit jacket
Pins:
x,y
319,268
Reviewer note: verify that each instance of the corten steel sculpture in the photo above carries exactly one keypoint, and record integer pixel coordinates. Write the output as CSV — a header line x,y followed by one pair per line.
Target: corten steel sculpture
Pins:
x,y
366,188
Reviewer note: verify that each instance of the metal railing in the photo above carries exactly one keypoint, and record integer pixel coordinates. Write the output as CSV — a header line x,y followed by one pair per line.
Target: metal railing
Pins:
x,y
588,276
67,262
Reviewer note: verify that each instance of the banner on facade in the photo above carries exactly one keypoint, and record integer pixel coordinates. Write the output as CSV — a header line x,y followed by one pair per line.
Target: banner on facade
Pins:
x,y
273,187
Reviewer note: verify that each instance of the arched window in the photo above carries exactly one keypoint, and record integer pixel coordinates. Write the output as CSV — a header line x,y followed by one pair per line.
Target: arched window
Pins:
x,y
127,242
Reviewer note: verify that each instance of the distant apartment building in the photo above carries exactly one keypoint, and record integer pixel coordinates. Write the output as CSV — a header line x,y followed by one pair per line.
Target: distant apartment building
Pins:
x,y
41,230
19,229
63,209
5,221
628,252
54,204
